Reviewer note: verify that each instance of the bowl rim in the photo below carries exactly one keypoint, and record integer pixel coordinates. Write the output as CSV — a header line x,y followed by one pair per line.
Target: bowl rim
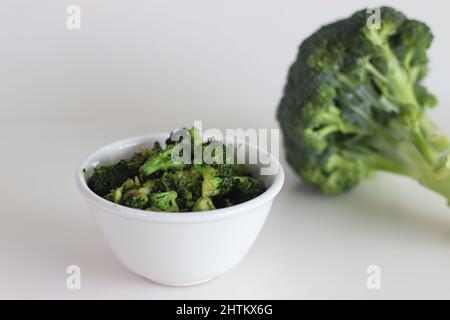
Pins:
x,y
132,213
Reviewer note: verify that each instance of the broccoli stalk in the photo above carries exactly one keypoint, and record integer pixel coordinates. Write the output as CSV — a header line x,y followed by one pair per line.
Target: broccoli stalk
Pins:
x,y
355,104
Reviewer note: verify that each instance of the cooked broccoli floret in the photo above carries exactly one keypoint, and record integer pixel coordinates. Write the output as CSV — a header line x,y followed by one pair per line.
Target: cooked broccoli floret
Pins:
x,y
223,201
187,184
215,182
164,201
139,196
246,188
204,204
114,195
163,160
108,177
354,104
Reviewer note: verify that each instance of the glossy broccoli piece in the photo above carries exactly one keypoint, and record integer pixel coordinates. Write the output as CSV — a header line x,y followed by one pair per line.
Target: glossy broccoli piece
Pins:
x,y
164,201
354,103
116,195
108,177
246,188
138,196
204,204
215,181
163,160
160,162
187,184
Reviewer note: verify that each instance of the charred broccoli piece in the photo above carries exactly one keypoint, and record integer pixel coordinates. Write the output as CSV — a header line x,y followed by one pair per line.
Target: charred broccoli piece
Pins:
x,y
108,177
138,197
187,184
164,160
204,204
164,201
246,188
214,182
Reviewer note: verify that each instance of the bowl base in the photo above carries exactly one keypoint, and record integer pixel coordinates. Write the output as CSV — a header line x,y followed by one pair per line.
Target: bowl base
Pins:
x,y
180,284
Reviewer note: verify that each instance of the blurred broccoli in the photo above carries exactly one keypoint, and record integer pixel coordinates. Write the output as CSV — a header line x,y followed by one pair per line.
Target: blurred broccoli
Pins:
x,y
354,103
150,180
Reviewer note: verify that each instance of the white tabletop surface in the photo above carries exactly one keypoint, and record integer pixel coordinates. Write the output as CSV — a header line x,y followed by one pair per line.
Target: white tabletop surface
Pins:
x,y
150,66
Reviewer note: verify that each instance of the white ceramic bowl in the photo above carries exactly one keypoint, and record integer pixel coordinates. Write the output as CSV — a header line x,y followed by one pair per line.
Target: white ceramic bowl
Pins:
x,y
176,248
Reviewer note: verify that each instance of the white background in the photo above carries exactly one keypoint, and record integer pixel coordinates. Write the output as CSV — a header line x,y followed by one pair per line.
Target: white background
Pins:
x,y
147,66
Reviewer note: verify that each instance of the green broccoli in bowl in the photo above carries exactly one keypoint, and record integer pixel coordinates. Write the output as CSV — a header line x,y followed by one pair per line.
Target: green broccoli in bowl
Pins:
x,y
152,180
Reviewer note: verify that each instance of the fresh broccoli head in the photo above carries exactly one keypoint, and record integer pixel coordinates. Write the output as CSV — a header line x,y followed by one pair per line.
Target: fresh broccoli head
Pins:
x,y
354,104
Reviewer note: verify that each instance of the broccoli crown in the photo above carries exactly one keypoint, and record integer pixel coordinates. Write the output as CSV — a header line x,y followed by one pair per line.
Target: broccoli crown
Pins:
x,y
354,103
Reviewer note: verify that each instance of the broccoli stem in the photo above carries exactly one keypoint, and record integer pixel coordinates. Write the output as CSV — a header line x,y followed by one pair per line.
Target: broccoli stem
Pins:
x,y
414,158
405,149
438,182
434,176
